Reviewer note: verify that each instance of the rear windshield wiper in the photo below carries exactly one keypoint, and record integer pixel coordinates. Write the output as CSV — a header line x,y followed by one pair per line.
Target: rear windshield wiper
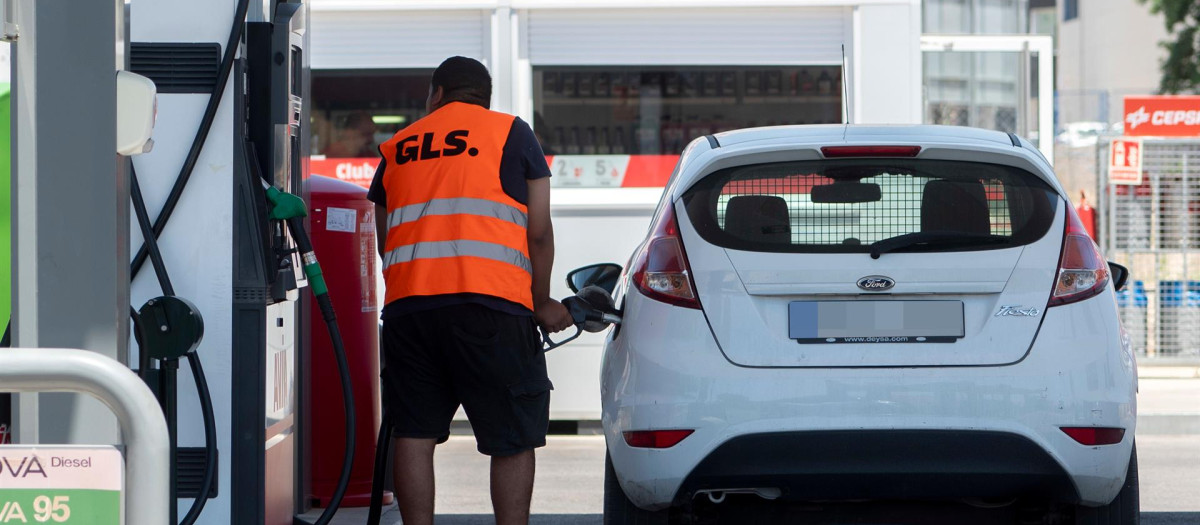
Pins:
x,y
898,242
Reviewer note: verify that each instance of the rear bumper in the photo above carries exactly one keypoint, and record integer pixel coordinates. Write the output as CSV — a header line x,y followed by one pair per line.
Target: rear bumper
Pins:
x,y
1076,374
882,465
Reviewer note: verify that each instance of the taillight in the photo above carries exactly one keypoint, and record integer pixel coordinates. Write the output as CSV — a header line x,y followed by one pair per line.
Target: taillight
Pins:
x,y
1082,272
1092,436
655,438
660,270
841,152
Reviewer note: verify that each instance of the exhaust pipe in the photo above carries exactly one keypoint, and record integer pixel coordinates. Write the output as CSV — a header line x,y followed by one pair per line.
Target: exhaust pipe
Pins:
x,y
717,496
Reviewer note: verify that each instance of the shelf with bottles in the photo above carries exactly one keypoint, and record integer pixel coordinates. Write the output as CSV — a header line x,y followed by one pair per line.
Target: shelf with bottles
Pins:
x,y
610,101
689,85
698,101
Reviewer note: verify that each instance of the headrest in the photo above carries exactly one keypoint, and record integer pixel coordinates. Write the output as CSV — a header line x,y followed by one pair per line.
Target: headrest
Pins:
x,y
955,206
758,218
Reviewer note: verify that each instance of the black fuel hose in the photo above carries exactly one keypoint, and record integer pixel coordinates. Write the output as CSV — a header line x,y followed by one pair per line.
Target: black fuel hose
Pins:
x,y
382,448
206,122
210,440
206,406
317,284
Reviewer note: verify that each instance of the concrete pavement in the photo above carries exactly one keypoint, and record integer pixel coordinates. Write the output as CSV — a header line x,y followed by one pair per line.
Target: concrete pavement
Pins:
x,y
569,484
1168,406
570,476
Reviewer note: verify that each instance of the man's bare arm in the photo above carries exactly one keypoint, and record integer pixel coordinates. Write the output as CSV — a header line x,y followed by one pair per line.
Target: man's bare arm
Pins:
x,y
381,228
550,314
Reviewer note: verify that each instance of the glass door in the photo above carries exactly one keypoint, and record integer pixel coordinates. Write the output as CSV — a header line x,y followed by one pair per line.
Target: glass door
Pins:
x,y
1003,83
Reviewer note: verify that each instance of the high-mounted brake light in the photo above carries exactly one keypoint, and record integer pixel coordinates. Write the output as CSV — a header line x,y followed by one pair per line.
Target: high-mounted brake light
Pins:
x,y
655,438
1082,272
660,270
1092,436
839,152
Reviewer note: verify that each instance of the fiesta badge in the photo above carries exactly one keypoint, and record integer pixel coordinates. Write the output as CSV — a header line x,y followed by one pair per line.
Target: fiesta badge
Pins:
x,y
876,283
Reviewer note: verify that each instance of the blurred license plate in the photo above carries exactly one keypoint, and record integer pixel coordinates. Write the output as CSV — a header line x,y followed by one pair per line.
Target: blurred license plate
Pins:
x,y
875,321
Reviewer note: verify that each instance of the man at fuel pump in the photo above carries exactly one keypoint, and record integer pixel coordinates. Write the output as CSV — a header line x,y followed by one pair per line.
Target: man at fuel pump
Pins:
x,y
463,220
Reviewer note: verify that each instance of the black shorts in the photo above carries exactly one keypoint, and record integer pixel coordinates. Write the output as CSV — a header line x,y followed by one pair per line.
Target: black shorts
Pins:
x,y
488,361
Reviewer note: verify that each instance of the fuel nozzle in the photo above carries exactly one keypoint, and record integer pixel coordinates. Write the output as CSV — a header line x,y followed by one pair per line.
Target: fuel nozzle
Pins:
x,y
591,309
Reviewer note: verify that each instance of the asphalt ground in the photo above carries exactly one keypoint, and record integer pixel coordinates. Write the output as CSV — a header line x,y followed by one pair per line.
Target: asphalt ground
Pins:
x,y
568,487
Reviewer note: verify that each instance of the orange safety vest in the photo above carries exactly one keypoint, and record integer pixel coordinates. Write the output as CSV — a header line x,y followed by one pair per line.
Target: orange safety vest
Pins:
x,y
451,227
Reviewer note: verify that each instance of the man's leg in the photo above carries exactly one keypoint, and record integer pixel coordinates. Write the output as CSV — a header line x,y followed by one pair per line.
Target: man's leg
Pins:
x,y
500,377
412,471
512,488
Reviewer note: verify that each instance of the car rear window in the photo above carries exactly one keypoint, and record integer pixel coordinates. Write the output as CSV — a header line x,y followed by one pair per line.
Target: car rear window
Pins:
x,y
844,206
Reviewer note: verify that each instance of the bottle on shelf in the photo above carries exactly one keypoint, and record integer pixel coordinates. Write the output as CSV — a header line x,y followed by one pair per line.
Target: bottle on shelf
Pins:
x,y
568,84
560,139
652,83
619,146
712,84
774,83
588,147
633,84
824,83
603,84
550,83
673,87
573,142
604,142
696,128
690,82
808,85
584,89
754,85
728,83
648,141
672,136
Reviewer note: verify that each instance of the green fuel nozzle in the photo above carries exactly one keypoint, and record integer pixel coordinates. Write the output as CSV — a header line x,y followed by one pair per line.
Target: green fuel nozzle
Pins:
x,y
291,209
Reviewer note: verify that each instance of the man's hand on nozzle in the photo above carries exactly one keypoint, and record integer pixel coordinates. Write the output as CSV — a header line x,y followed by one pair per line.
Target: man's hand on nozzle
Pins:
x,y
552,316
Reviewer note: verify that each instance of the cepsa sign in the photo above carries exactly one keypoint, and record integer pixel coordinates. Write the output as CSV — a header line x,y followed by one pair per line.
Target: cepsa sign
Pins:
x,y
1162,116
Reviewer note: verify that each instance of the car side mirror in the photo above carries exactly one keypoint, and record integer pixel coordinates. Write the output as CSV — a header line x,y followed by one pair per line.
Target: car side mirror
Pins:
x,y
604,276
1120,275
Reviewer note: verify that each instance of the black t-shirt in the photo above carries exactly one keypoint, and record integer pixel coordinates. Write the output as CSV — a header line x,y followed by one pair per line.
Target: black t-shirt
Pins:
x,y
522,160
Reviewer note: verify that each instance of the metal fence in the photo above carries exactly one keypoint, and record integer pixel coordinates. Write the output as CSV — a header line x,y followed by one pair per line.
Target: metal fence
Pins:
x,y
1154,229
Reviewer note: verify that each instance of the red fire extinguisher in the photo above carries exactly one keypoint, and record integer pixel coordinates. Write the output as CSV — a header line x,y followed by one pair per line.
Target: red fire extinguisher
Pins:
x,y
342,228
1087,215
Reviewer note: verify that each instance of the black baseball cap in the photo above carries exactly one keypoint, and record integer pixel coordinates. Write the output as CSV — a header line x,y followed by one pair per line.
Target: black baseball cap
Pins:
x,y
464,75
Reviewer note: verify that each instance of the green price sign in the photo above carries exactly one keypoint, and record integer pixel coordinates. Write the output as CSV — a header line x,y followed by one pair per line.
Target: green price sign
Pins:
x,y
72,485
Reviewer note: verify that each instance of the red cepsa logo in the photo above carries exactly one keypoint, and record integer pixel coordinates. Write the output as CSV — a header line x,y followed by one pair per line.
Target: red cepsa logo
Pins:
x,y
1162,116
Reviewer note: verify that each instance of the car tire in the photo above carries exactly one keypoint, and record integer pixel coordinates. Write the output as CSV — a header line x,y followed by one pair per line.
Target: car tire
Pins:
x,y
618,510
1125,509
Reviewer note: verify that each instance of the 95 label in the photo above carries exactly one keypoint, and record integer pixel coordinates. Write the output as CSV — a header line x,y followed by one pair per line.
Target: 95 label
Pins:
x,y
61,484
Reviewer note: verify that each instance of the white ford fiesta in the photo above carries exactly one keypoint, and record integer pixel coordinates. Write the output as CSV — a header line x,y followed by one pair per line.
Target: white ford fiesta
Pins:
x,y
855,313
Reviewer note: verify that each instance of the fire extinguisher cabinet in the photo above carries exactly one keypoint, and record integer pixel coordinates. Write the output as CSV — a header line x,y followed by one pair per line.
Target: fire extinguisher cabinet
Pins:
x,y
342,226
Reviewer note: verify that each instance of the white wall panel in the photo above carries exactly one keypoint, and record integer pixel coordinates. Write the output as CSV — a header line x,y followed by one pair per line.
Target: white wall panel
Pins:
x,y
397,39
887,89
718,36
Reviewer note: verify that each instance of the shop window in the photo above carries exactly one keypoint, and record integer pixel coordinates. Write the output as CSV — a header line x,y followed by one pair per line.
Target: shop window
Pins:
x,y
656,111
355,110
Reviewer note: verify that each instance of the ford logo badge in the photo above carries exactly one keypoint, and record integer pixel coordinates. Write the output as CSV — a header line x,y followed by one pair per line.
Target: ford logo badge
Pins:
x,y
876,283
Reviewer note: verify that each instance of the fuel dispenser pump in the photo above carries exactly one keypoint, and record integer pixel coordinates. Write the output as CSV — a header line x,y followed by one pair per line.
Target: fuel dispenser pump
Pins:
x,y
262,131
245,250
